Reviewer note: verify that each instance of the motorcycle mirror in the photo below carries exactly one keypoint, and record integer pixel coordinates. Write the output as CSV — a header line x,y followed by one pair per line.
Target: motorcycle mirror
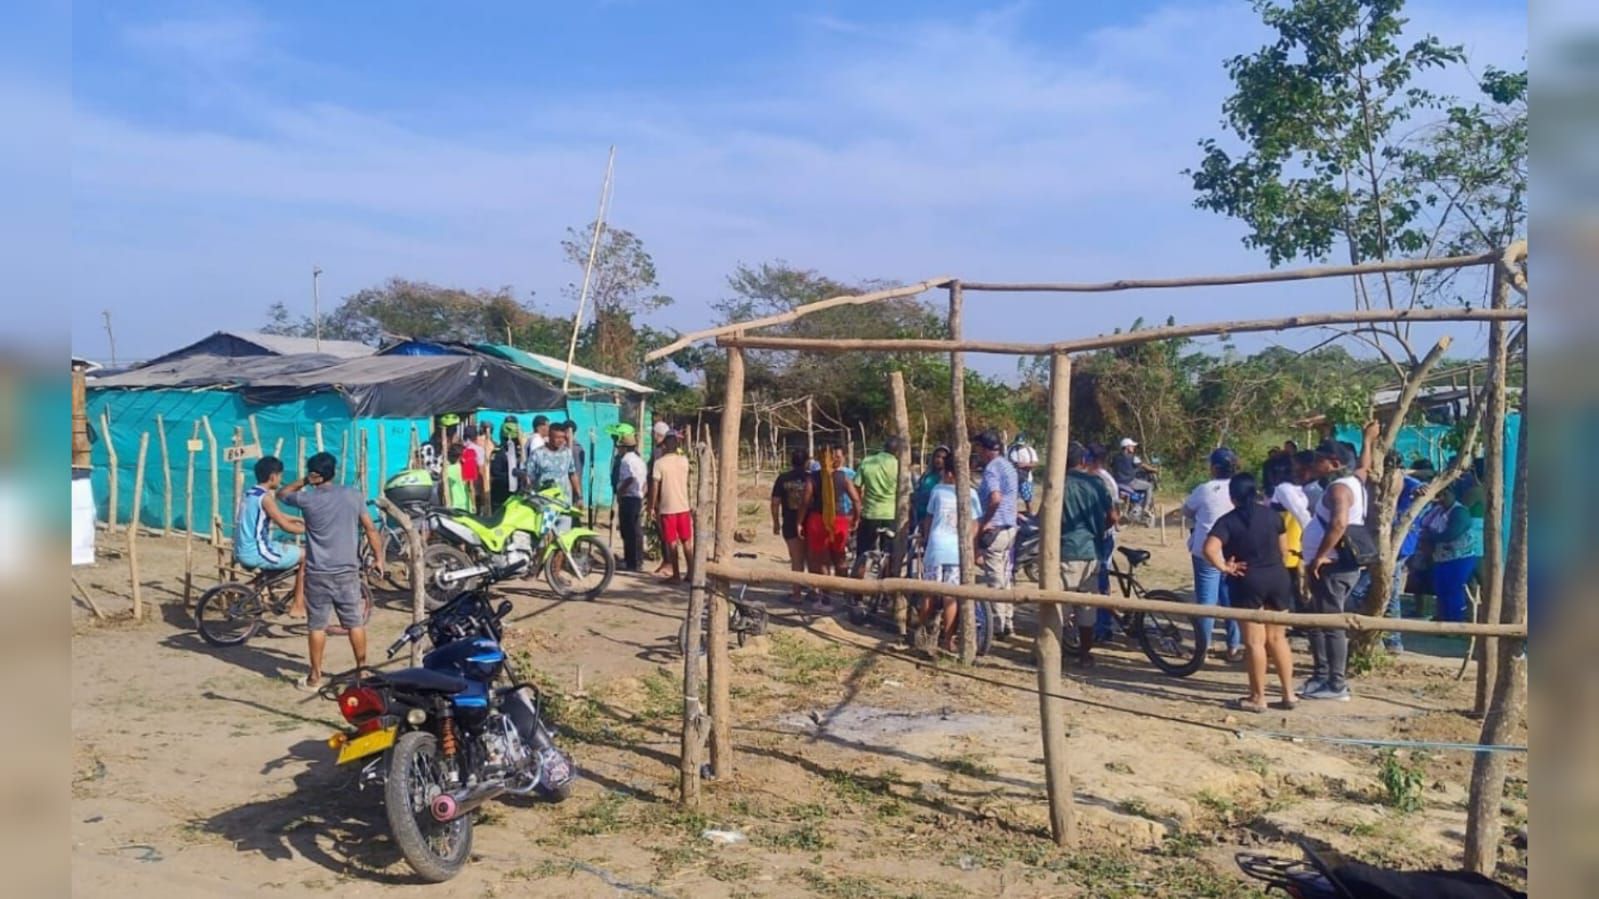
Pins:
x,y
504,609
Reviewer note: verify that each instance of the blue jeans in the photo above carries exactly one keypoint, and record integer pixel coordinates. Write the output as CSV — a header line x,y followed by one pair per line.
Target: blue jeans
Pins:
x,y
1393,640
1104,620
1449,583
1210,588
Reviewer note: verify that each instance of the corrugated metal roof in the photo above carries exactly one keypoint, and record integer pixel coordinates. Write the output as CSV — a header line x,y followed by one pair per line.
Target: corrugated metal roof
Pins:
x,y
293,346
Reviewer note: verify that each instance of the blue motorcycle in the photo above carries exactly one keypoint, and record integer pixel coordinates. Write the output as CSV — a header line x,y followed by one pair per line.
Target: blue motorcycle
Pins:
x,y
447,737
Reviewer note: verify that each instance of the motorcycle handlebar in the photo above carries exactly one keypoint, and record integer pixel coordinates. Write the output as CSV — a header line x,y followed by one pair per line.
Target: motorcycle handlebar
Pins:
x,y
411,633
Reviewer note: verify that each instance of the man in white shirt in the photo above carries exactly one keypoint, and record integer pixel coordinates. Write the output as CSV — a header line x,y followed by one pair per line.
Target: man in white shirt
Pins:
x,y
1208,502
1330,573
631,478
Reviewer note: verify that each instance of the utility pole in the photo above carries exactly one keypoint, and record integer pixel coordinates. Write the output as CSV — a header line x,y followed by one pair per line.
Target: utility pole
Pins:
x,y
106,314
588,270
316,304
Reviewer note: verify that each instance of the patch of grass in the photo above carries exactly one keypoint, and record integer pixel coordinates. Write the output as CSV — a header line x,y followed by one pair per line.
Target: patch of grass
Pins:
x,y
1255,761
545,868
859,788
1119,767
671,859
1360,829
1372,659
663,695
1136,807
604,815
1401,780
1181,845
807,836
1222,807
804,663
969,765
729,871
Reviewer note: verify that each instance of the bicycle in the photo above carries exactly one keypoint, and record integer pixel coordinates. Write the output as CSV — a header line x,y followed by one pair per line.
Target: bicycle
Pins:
x,y
396,544
1170,641
230,614
874,567
745,619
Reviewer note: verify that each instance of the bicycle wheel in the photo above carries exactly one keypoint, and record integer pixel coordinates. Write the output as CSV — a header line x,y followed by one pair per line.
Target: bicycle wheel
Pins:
x,y
861,606
229,614
1170,641
983,615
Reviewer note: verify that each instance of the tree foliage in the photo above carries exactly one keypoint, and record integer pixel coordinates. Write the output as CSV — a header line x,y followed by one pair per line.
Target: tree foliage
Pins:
x,y
622,285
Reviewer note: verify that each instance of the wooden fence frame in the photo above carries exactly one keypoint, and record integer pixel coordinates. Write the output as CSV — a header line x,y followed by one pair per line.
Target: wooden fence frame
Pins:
x,y
719,572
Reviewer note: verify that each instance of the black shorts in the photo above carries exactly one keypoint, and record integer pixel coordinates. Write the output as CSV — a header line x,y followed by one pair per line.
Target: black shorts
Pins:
x,y
866,534
791,525
1262,588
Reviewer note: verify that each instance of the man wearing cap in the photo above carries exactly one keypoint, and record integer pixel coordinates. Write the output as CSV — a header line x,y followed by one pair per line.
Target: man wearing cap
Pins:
x,y
1128,470
1331,575
996,531
1208,502
878,481
1025,458
630,479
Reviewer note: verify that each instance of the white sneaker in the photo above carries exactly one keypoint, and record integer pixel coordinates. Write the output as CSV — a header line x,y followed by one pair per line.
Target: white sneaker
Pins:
x,y
1326,692
1311,685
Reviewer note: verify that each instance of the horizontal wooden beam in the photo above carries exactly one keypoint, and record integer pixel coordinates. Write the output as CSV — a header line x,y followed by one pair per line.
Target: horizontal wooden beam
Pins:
x,y
769,575
1297,274
908,290
1142,335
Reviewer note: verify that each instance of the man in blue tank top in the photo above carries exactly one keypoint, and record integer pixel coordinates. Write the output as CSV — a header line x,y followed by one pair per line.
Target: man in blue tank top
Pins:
x,y
259,513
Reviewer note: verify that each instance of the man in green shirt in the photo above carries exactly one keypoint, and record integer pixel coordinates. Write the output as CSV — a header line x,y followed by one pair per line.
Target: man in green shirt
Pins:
x,y
1087,518
878,480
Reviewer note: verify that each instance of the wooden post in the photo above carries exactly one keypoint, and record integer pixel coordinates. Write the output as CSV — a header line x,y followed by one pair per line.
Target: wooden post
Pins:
x,y
188,522
810,429
82,449
216,480
718,664
318,432
691,753
238,474
277,449
866,446
360,467
1493,533
418,571
166,476
299,446
133,528
345,475
962,448
383,454
923,456
902,495
111,468
1509,698
1051,704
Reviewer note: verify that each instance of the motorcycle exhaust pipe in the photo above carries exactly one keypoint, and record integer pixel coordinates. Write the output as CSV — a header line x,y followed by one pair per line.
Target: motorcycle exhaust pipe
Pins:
x,y
462,574
447,807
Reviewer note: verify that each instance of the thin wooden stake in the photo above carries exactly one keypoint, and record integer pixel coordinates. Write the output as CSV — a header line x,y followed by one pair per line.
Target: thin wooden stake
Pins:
x,y
277,449
319,437
238,474
810,428
93,606
166,476
418,574
360,467
719,666
111,469
133,528
213,515
344,458
1047,646
902,495
696,725
299,445
1493,533
962,448
188,523
383,454
255,433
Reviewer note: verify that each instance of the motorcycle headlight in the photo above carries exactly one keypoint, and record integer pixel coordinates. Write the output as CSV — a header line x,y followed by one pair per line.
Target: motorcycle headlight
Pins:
x,y
416,717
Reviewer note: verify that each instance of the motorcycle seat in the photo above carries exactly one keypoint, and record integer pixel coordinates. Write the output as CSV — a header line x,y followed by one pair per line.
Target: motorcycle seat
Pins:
x,y
423,680
1135,557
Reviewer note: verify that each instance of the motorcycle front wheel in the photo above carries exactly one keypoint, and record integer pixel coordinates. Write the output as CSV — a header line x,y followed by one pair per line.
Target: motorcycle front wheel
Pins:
x,y
436,560
435,851
582,573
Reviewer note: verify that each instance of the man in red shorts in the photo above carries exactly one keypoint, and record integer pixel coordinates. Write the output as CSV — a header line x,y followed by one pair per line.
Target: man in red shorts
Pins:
x,y
827,526
669,505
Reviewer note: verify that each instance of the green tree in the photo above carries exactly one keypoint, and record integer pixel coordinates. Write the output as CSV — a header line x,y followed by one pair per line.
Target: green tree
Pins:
x,y
401,308
622,286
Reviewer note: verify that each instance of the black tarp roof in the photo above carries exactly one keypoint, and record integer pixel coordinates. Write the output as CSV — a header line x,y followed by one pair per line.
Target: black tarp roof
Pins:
x,y
373,387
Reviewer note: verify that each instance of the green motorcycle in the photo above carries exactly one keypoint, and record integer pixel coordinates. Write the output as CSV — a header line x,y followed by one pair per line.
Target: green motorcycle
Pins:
x,y
466,548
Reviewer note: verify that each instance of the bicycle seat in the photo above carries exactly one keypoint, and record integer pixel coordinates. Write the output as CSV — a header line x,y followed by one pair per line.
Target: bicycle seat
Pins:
x,y
423,680
1135,557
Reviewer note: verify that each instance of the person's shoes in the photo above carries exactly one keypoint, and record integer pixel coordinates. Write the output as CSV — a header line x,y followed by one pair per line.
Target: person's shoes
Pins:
x,y
1326,692
305,685
1310,686
1236,654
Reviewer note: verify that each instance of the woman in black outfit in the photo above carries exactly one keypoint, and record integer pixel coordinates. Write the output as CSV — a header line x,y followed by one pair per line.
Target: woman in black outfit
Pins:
x,y
1248,545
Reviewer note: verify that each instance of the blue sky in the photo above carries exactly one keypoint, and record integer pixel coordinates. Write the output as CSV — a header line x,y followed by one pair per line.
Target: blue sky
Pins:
x,y
220,149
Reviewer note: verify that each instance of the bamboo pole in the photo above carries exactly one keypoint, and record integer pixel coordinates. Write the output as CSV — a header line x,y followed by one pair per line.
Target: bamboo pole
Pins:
x,y
758,575
319,437
166,476
277,449
810,428
1047,645
111,468
188,522
255,433
418,572
1493,534
1301,274
299,446
1126,338
691,754
133,528
908,290
726,521
238,472
344,458
212,515
1509,698
923,456
383,454
962,448
361,465
902,495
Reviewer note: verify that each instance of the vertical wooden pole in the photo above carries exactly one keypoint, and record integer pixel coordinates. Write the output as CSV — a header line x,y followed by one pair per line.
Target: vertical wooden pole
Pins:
x,y
319,437
212,511
866,446
299,465
902,495
82,449
344,458
238,474
416,448
133,528
1493,534
923,455
726,521
961,446
188,522
691,753
111,469
166,476
383,454
810,429
277,449
1509,698
1047,647
360,466
255,433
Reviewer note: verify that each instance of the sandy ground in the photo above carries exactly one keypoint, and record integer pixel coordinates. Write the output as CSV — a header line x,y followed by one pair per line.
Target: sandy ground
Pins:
x,y
861,770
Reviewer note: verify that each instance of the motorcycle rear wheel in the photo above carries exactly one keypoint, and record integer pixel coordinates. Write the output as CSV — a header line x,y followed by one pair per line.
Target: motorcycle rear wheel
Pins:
x,y
436,560
435,851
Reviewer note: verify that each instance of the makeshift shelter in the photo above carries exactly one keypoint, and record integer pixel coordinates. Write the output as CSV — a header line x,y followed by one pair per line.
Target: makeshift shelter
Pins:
x,y
234,344
378,407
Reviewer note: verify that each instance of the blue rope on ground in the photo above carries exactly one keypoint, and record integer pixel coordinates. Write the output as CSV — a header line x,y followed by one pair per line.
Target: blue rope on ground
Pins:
x,y
1399,744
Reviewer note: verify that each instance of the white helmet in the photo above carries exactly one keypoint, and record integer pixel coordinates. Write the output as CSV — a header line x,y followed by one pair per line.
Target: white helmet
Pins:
x,y
1128,441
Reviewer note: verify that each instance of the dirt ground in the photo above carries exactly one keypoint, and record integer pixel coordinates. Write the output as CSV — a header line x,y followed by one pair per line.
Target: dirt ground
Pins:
x,y
862,770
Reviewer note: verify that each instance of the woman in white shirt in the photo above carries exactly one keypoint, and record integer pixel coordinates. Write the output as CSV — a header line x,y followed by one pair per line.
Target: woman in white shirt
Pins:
x,y
941,560
1208,502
